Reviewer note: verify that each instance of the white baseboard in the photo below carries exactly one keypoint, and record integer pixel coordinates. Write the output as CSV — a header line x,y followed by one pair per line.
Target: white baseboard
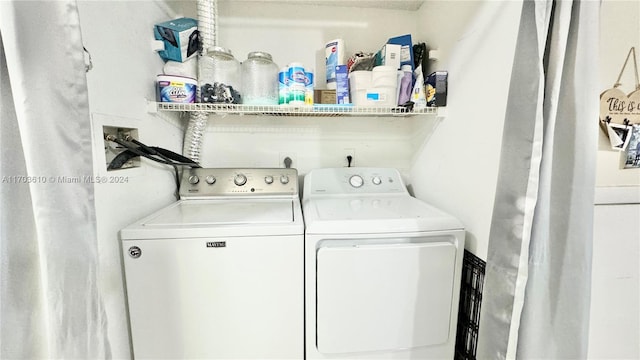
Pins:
x,y
611,195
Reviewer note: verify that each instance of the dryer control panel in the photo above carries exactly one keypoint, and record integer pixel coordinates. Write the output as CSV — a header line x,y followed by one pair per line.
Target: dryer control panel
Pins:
x,y
216,182
353,180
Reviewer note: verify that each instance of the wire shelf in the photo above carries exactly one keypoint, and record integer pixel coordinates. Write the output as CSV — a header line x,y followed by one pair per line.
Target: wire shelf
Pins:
x,y
292,110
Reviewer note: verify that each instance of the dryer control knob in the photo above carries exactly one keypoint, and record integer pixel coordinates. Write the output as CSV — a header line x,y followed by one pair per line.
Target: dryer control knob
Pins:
x,y
194,179
284,179
240,180
268,179
210,179
376,180
356,181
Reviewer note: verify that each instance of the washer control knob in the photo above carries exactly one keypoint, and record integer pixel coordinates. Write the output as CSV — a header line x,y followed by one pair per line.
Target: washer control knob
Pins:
x,y
194,179
284,179
356,181
268,179
376,180
210,179
240,179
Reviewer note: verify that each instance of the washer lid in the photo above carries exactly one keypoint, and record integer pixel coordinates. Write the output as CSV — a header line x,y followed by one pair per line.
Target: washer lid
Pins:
x,y
210,218
374,214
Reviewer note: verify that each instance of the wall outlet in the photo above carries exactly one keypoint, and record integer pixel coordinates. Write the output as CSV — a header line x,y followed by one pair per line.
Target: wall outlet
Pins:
x,y
346,153
113,149
283,155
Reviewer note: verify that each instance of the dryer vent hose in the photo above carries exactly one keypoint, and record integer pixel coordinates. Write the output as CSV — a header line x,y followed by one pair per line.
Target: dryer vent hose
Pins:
x,y
208,28
208,23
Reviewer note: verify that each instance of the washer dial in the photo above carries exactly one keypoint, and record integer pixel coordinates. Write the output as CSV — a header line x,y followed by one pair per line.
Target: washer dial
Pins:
x,y
268,179
284,179
210,179
240,179
356,181
194,179
376,180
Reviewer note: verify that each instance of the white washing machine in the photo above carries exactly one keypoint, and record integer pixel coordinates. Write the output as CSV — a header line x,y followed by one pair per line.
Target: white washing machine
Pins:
x,y
382,268
219,274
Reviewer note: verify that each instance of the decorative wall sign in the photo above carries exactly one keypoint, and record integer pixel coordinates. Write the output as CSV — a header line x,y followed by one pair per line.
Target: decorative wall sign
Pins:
x,y
617,106
618,113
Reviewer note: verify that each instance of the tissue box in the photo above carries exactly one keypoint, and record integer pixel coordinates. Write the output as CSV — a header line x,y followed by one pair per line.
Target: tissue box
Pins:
x,y
436,88
389,55
180,37
406,49
342,85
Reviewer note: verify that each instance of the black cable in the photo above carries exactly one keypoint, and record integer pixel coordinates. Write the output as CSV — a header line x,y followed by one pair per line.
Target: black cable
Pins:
x,y
137,151
175,167
121,159
167,157
127,155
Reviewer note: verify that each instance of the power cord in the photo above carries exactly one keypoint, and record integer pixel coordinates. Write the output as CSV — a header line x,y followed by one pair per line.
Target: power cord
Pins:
x,y
136,148
156,153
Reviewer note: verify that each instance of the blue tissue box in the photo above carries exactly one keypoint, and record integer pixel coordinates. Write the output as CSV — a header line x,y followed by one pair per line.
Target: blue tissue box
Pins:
x,y
342,85
180,37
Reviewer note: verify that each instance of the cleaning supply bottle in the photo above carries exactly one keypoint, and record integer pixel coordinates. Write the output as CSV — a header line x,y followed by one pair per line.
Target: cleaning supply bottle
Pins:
x,y
334,55
406,83
418,96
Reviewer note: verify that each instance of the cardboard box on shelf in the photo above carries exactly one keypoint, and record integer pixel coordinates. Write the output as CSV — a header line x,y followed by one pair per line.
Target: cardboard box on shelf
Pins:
x,y
180,39
436,88
324,96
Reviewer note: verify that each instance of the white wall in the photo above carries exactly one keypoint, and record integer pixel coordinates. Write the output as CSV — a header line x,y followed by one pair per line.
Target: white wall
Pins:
x,y
118,34
457,168
436,25
614,331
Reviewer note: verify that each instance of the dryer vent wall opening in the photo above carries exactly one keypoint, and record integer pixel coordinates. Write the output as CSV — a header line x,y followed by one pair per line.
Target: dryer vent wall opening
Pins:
x,y
473,269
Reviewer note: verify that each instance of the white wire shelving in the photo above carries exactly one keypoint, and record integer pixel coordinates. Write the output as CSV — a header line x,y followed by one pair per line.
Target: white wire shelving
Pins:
x,y
291,110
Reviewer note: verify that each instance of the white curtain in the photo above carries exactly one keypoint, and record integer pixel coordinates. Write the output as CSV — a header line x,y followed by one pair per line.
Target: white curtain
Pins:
x,y
50,306
537,290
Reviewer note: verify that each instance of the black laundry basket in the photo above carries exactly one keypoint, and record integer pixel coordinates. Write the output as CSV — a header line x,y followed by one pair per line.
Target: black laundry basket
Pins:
x,y
473,269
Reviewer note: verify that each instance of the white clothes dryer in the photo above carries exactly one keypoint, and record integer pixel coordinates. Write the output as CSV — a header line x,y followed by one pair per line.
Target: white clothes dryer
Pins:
x,y
382,268
219,274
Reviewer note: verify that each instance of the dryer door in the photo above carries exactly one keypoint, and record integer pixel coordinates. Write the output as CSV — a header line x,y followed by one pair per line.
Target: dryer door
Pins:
x,y
375,296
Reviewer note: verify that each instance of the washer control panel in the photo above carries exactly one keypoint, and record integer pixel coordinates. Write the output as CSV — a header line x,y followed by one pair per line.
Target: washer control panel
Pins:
x,y
213,182
354,181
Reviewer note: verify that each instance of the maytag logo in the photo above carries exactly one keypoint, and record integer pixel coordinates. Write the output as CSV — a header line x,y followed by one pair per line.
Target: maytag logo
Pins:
x,y
216,244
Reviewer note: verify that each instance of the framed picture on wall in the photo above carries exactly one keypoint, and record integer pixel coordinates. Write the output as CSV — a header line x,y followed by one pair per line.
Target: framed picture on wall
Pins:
x,y
620,136
633,149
